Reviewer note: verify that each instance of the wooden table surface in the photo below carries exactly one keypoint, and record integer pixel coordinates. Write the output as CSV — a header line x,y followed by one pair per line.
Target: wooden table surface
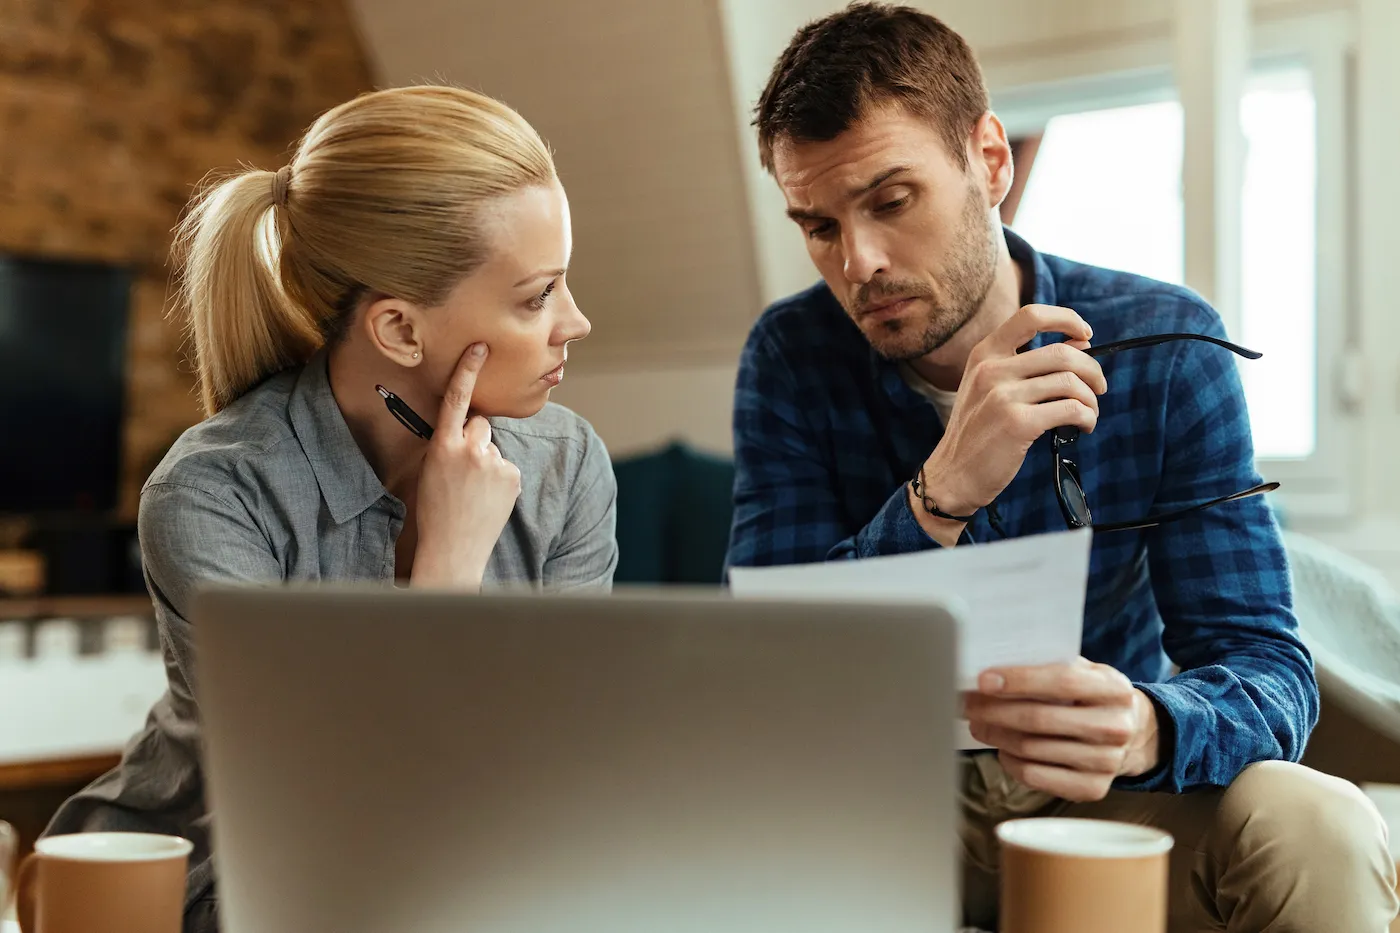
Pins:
x,y
28,774
77,607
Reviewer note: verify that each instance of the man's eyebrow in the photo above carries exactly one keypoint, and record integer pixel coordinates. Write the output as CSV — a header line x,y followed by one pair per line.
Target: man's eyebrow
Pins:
x,y
880,179
800,215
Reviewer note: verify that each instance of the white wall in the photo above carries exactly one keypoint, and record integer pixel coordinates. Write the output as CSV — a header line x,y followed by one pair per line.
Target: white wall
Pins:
x,y
637,408
633,96
1374,536
1378,241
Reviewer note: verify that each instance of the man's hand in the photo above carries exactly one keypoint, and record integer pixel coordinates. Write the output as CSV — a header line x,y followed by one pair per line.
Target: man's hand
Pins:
x,y
1066,729
1005,401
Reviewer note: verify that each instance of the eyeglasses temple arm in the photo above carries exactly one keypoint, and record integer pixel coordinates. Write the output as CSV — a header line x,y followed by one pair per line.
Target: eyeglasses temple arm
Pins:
x,y
1165,517
1152,340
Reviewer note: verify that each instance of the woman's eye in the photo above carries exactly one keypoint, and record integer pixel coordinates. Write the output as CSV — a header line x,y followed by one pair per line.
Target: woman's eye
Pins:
x,y
538,302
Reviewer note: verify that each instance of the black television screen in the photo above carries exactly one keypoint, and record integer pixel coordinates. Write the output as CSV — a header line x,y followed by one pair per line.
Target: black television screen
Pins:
x,y
62,358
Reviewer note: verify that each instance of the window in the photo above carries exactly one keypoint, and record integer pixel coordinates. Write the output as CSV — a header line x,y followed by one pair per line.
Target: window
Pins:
x,y
1104,187
1090,198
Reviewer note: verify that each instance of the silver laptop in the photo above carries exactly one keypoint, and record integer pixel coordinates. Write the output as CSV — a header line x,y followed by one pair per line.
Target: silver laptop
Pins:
x,y
402,762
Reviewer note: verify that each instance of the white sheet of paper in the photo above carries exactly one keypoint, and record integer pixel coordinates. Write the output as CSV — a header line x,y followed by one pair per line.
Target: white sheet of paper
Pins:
x,y
1021,600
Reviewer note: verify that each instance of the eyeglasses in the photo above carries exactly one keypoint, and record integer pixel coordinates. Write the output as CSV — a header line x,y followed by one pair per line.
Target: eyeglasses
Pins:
x,y
1069,489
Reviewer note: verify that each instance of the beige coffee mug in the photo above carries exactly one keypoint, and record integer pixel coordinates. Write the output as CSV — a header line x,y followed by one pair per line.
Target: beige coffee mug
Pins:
x,y
103,883
1082,876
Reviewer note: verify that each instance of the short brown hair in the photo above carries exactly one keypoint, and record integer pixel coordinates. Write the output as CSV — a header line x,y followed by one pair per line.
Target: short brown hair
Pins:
x,y
866,55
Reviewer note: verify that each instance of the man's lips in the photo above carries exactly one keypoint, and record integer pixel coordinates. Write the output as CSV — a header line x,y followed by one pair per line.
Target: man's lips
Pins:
x,y
887,308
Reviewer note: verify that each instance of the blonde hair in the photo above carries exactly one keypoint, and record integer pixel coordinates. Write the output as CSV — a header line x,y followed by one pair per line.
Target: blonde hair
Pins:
x,y
383,196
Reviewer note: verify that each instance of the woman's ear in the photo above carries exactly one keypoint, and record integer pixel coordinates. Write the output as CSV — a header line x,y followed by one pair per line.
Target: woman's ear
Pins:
x,y
395,328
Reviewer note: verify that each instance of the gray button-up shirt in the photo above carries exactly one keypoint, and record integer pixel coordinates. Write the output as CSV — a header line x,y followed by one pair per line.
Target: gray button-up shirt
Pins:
x,y
274,488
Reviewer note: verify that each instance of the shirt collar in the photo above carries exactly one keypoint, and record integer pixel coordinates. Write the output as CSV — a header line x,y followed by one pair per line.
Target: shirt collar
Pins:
x,y
1037,282
348,483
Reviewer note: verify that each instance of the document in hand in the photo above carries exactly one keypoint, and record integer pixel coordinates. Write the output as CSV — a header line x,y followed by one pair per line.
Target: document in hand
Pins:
x,y
1021,600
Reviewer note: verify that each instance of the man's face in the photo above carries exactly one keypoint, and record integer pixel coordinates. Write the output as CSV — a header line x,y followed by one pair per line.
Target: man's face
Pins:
x,y
904,236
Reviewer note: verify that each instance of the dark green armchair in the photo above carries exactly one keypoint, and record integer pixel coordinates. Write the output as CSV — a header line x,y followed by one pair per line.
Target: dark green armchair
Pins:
x,y
673,512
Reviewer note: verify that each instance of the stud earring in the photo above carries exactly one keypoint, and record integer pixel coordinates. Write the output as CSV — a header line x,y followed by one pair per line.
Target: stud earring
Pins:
x,y
415,354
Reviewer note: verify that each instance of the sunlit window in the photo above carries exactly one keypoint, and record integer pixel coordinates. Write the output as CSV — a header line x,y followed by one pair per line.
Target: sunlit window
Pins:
x,y
1105,188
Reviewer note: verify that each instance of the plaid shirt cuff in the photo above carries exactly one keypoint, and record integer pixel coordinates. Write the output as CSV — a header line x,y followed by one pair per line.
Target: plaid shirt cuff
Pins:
x,y
893,530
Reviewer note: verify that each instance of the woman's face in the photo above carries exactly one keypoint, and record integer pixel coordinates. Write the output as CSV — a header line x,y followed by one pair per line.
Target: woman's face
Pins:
x,y
517,303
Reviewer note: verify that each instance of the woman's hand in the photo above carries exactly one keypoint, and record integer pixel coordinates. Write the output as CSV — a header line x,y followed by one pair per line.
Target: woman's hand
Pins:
x,y
466,490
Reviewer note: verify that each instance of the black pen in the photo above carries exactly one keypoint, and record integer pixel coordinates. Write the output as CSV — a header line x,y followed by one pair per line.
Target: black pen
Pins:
x,y
407,416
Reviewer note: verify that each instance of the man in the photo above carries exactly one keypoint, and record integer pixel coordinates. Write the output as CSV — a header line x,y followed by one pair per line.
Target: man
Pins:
x,y
912,400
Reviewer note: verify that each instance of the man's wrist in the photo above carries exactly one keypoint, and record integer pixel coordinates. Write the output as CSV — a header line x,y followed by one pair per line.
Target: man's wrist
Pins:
x,y
937,484
946,531
1145,752
930,503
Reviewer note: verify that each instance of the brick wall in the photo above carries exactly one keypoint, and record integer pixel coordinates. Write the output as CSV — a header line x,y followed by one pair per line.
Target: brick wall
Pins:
x,y
112,110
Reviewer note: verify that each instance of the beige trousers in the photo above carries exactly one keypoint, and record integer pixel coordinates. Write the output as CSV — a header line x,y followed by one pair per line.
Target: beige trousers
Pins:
x,y
1284,849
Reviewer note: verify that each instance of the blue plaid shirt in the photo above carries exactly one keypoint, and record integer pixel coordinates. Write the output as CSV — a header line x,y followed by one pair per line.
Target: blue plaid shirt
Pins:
x,y
827,434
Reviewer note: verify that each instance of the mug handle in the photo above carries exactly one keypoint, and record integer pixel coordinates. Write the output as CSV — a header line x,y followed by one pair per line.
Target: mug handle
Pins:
x,y
26,898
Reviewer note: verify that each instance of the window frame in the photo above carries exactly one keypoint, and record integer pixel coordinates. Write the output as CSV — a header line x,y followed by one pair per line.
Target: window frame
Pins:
x,y
1027,93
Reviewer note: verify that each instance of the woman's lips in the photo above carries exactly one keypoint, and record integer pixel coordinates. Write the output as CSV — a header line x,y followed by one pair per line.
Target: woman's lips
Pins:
x,y
555,375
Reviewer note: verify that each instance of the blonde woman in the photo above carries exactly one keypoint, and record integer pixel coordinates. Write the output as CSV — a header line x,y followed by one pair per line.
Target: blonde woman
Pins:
x,y
418,242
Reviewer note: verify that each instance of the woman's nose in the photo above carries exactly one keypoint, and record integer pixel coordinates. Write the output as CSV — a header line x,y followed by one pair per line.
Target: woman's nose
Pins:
x,y
574,326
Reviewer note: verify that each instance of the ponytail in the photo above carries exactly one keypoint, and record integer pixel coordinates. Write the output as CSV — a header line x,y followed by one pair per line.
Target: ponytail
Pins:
x,y
385,195
242,325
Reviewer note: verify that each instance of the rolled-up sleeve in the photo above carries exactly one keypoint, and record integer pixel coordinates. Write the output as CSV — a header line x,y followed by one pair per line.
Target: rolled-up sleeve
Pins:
x,y
1247,691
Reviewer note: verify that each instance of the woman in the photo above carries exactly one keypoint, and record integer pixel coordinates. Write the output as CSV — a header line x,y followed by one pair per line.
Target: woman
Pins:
x,y
417,241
